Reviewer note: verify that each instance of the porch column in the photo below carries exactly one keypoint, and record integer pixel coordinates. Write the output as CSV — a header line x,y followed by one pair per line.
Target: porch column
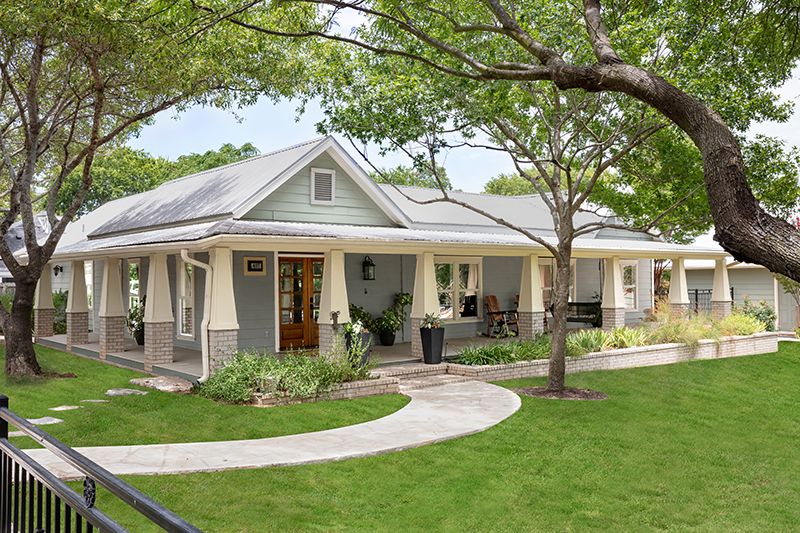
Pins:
x,y
77,307
721,303
613,304
425,299
158,318
223,325
43,309
530,310
332,299
112,312
678,289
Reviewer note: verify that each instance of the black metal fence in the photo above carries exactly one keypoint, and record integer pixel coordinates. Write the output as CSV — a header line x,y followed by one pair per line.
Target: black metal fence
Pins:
x,y
700,300
33,500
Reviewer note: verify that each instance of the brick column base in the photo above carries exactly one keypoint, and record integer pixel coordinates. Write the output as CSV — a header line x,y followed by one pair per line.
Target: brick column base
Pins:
x,y
222,346
679,309
613,317
416,339
158,346
326,335
112,335
77,329
530,324
43,322
721,309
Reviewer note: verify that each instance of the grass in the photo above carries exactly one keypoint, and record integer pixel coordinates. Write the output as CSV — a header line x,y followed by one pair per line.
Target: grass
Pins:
x,y
162,417
700,446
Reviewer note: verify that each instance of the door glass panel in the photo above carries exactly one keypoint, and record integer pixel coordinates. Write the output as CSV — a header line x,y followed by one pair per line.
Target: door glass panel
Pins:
x,y
297,315
286,317
286,300
317,268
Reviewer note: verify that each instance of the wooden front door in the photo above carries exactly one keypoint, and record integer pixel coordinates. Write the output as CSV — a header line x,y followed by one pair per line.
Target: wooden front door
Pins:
x,y
299,288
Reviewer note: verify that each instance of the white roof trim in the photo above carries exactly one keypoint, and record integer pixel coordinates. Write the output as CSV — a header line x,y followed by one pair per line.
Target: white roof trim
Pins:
x,y
340,155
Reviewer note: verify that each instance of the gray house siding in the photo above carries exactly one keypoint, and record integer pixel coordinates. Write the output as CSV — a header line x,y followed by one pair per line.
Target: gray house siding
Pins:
x,y
291,201
255,303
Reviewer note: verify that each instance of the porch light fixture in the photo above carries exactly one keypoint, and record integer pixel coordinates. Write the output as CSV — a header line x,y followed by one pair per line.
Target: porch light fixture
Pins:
x,y
368,269
57,270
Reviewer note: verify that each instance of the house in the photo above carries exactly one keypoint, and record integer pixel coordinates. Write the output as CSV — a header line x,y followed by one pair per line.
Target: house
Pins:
x,y
747,281
268,253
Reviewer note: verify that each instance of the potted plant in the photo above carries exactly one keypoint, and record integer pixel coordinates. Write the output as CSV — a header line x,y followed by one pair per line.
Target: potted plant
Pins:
x,y
358,342
432,334
135,322
392,319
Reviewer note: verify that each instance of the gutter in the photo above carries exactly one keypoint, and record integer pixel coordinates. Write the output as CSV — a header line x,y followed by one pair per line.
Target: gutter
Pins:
x,y
206,311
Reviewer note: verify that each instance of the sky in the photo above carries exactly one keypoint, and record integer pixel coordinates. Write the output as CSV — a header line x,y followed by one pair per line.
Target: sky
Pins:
x,y
271,126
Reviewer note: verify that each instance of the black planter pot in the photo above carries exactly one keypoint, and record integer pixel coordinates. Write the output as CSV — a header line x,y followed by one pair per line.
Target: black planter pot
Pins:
x,y
138,336
432,345
366,340
387,338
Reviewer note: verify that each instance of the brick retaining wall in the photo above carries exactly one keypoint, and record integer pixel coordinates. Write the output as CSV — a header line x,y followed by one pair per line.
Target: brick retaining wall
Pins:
x,y
659,354
343,391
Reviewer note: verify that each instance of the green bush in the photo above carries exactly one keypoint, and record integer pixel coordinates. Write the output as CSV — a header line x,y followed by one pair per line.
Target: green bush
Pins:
x,y
761,311
689,331
738,324
628,337
499,353
238,379
60,316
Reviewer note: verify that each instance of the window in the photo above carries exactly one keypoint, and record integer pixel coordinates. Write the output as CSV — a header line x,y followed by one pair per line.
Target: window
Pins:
x,y
547,279
185,284
630,273
133,283
323,186
458,284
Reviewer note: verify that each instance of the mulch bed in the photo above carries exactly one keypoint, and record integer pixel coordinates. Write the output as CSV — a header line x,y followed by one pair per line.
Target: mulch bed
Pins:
x,y
566,394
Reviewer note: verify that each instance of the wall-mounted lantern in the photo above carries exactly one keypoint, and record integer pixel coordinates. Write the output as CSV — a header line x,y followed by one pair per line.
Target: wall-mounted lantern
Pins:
x,y
58,269
368,269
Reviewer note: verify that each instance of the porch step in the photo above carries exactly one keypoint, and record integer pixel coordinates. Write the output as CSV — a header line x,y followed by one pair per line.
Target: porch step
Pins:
x,y
410,370
425,381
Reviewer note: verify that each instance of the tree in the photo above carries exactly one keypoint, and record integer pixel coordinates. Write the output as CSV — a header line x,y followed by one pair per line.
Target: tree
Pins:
x,y
645,50
77,76
411,176
478,70
509,185
123,171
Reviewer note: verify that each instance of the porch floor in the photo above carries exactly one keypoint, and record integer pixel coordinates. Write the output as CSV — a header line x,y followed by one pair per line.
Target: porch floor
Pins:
x,y
186,363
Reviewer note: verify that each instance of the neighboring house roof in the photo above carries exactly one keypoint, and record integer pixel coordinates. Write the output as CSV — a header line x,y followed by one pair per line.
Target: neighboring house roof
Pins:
x,y
221,201
15,238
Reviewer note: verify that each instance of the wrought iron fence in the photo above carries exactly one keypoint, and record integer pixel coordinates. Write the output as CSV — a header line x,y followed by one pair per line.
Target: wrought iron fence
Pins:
x,y
34,500
700,300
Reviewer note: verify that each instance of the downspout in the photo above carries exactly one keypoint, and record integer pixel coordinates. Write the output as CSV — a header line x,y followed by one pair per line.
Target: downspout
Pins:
x,y
206,310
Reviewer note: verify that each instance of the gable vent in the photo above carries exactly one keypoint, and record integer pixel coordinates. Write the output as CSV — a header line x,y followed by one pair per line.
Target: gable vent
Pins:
x,y
323,183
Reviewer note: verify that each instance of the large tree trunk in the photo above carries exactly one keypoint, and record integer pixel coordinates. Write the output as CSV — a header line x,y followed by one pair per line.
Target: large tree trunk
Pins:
x,y
558,353
743,228
20,356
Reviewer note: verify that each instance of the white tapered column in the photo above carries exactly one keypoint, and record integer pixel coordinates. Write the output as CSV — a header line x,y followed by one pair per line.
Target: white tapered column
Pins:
x,y
334,307
530,309
721,301
77,307
678,288
43,309
112,311
613,304
158,318
223,327
425,301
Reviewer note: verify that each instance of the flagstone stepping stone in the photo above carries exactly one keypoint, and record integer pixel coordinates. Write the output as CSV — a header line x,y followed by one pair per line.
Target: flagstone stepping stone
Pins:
x,y
44,421
94,401
125,392
65,408
16,434
164,384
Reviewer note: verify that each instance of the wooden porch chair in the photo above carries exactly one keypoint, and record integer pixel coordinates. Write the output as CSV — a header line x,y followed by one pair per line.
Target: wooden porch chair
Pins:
x,y
499,320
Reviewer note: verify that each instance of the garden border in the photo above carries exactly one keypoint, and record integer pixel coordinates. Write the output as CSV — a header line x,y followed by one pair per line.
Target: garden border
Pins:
x,y
341,391
653,355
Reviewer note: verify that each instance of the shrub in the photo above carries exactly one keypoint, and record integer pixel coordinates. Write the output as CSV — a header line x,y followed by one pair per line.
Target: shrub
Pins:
x,y
60,315
738,324
587,341
238,379
761,311
689,331
499,353
628,337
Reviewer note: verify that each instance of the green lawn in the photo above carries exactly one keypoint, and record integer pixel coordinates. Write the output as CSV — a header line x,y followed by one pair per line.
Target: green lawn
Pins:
x,y
162,417
702,446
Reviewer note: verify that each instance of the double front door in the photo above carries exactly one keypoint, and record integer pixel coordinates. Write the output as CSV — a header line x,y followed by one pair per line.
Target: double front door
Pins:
x,y
299,289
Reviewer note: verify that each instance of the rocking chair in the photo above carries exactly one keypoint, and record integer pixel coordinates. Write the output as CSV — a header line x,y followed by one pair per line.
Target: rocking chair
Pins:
x,y
499,322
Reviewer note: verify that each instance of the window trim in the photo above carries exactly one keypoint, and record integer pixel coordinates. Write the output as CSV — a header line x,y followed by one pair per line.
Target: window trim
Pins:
x,y
180,271
456,261
312,199
551,262
635,264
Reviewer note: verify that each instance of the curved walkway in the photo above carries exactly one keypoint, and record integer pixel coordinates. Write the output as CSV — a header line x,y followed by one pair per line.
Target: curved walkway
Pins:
x,y
434,414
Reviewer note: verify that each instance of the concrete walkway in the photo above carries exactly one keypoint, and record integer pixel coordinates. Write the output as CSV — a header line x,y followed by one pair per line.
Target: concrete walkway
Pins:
x,y
434,414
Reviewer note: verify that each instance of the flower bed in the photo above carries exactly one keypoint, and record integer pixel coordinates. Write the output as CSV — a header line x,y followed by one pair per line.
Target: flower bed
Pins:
x,y
342,391
658,354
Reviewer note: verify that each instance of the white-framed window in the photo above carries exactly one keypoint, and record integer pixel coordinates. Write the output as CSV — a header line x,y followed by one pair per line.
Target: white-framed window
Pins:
x,y
134,286
459,282
547,268
185,284
323,186
630,275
